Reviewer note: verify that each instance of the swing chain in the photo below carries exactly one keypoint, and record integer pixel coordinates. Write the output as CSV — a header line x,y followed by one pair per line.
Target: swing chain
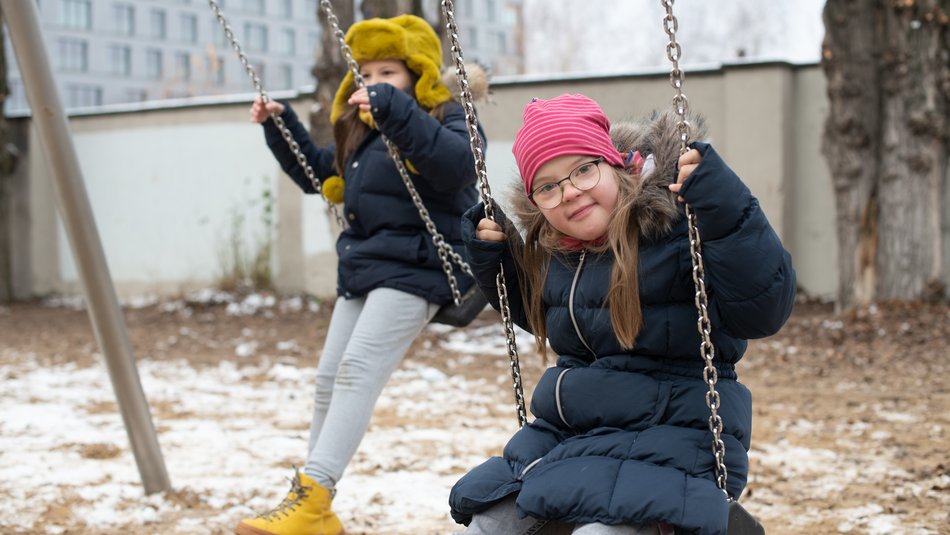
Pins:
x,y
674,53
448,10
710,373
471,120
703,325
345,49
278,120
445,251
512,346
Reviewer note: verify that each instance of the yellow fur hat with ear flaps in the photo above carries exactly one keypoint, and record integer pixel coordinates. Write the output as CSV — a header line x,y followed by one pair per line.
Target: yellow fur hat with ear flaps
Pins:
x,y
407,38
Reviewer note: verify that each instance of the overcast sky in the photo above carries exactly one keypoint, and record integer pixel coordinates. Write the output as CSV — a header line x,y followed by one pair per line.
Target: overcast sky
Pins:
x,y
602,36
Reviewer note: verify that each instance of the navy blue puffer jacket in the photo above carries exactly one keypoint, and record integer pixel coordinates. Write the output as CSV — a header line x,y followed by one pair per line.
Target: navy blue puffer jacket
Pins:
x,y
620,436
386,243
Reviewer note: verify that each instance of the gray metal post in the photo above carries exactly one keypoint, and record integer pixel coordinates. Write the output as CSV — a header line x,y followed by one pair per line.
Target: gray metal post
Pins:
x,y
107,320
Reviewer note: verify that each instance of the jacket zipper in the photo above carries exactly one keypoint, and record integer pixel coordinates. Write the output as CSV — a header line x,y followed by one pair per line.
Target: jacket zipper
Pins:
x,y
570,303
557,397
529,467
560,377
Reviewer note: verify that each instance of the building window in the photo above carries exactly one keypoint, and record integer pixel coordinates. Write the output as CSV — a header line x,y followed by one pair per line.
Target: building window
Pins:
x,y
183,66
285,76
313,42
502,42
472,38
310,7
153,63
120,60
217,33
73,55
16,100
285,8
135,95
255,7
75,14
509,16
189,28
215,70
81,95
256,36
156,23
261,70
490,10
124,15
287,42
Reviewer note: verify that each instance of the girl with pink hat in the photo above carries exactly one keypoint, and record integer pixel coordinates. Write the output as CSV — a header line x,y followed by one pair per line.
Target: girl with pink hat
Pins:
x,y
600,271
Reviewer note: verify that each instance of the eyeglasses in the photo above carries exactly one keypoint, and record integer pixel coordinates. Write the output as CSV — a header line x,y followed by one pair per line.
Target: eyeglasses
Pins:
x,y
584,177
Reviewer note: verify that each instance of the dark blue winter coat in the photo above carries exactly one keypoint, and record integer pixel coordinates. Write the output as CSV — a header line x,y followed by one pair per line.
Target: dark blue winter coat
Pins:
x,y
386,243
620,435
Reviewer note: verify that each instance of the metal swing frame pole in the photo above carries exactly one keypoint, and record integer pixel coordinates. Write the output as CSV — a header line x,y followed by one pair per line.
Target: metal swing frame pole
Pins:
x,y
108,323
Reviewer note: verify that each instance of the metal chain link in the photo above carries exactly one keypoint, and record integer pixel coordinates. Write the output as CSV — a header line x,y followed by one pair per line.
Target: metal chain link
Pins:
x,y
471,120
446,253
345,49
674,53
703,325
265,98
448,10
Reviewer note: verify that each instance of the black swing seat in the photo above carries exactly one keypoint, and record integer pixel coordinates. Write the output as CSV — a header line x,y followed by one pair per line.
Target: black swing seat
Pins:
x,y
472,303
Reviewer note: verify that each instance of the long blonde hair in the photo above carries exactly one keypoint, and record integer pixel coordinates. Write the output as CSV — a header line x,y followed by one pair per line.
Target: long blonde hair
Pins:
x,y
542,241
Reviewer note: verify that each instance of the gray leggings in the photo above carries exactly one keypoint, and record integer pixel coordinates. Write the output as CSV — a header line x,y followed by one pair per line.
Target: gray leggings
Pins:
x,y
503,519
366,340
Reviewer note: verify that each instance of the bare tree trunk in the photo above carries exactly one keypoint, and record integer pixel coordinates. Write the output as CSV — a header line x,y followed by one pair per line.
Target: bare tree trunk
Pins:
x,y
851,140
385,9
886,62
328,70
6,178
914,158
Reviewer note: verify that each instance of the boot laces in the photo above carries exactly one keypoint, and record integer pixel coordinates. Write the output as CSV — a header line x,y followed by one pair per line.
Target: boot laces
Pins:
x,y
290,502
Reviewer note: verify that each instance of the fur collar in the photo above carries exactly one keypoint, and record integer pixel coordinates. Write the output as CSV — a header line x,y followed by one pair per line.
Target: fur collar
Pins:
x,y
657,208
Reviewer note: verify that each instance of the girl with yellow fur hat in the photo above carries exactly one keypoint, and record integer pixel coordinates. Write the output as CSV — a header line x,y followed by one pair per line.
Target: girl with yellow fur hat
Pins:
x,y
390,280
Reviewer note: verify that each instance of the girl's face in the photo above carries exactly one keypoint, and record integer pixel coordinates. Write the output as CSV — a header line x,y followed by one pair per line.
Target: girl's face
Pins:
x,y
387,71
583,215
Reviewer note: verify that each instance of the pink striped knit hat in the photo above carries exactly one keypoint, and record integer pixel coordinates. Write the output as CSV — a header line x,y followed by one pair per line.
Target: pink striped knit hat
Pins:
x,y
567,124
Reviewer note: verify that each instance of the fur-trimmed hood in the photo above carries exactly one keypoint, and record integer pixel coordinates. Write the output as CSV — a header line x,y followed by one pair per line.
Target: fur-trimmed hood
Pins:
x,y
478,82
655,135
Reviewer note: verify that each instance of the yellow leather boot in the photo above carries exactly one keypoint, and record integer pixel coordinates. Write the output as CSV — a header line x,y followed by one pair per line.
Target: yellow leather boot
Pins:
x,y
305,511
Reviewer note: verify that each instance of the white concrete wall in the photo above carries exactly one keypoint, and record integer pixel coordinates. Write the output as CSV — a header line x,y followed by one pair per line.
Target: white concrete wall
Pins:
x,y
166,188
165,184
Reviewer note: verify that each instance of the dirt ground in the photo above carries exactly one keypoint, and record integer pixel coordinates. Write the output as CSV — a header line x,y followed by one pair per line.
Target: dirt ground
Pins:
x,y
852,410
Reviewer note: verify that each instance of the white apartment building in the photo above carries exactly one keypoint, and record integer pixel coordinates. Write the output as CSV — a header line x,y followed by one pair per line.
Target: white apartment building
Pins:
x,y
124,51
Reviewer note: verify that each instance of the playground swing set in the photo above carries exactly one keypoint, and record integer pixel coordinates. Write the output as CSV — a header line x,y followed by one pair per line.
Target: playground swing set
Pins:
x,y
108,323
464,309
